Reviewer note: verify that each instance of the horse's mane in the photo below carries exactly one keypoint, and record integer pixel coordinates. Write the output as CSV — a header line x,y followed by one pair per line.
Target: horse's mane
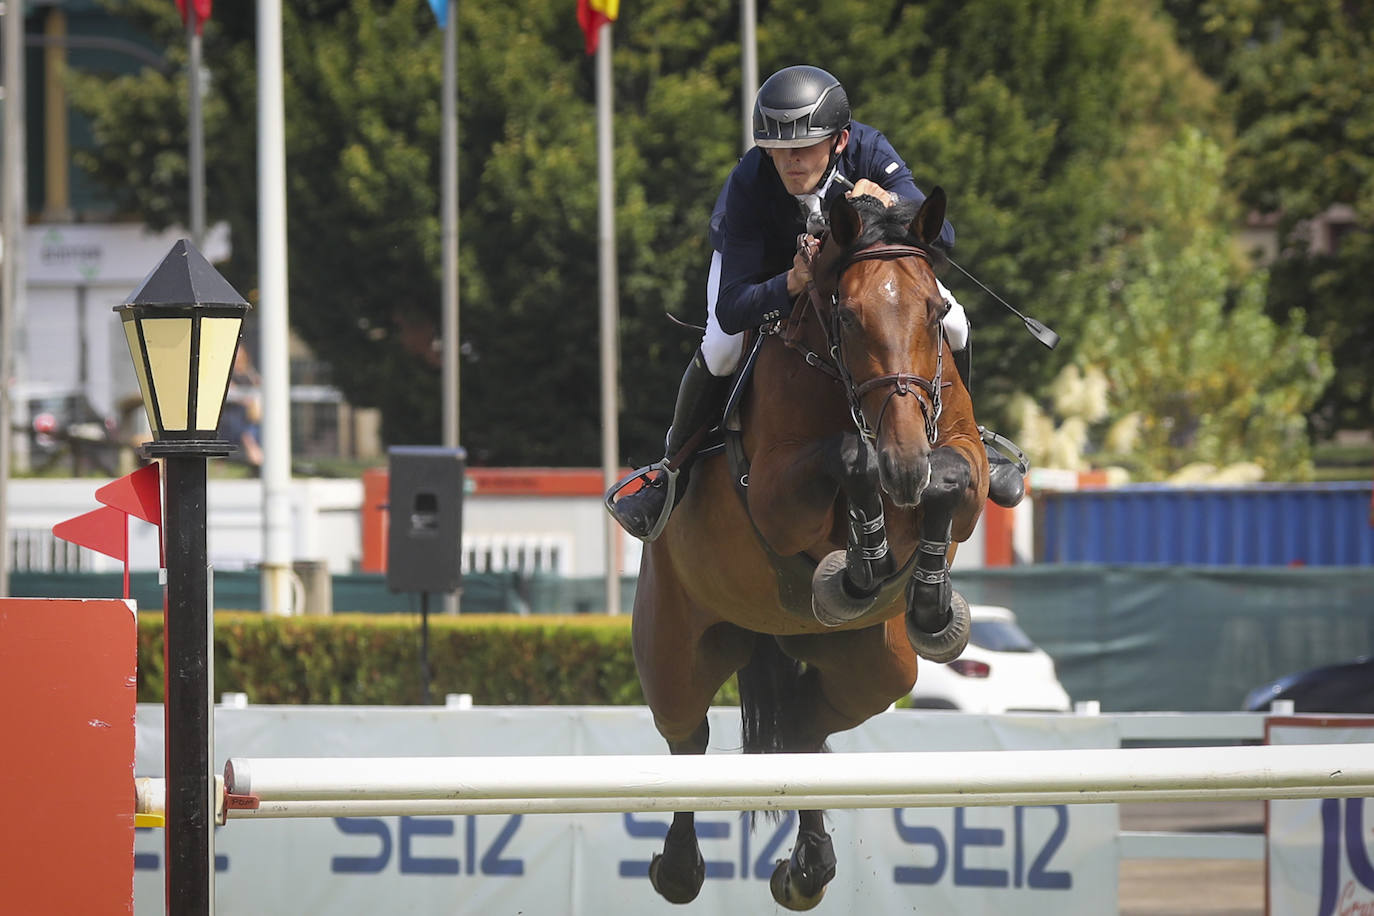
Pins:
x,y
891,225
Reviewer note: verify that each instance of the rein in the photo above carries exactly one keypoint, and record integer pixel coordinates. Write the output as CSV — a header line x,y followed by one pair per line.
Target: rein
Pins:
x,y
902,383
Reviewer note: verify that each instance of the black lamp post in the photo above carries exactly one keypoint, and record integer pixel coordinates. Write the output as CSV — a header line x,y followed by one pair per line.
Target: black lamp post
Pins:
x,y
183,326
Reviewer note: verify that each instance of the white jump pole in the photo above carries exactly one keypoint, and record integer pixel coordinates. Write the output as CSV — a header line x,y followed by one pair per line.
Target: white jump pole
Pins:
x,y
640,804
381,786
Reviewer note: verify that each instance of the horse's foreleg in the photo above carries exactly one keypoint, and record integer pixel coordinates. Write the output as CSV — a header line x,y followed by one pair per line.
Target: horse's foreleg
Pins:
x,y
678,872
868,560
937,618
845,585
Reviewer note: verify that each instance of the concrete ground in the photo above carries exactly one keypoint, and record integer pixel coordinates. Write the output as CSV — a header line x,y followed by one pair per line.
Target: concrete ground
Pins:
x,y
1173,887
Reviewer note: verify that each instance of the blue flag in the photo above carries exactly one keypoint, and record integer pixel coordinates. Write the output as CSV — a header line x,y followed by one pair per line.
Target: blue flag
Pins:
x,y
440,8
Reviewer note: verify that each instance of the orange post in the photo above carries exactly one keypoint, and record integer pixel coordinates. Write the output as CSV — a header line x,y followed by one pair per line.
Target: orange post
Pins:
x,y
374,519
997,530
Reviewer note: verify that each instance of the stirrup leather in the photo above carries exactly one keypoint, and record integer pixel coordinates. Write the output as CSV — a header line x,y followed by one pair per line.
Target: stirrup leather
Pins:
x,y
666,477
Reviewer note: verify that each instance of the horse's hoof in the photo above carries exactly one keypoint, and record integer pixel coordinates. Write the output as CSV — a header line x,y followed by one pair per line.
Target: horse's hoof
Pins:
x,y
785,892
681,887
799,883
831,601
947,644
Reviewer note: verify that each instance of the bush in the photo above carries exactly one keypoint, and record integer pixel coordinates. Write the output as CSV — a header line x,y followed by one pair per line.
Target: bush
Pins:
x,y
363,659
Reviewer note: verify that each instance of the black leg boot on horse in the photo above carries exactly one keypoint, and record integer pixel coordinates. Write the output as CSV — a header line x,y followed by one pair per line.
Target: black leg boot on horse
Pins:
x,y
1006,475
699,402
937,618
845,583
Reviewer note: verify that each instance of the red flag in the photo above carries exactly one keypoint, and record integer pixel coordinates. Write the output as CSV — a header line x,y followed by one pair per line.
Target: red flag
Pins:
x,y
202,8
139,494
104,530
591,15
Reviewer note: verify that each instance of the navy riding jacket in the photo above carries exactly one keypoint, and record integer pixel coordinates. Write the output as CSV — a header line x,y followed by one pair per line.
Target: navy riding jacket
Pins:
x,y
755,225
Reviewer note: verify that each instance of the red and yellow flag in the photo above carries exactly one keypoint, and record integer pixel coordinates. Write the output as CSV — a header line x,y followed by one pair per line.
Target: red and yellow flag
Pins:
x,y
591,15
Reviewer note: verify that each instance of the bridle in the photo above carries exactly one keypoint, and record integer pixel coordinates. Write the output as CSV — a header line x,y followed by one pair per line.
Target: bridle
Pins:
x,y
901,383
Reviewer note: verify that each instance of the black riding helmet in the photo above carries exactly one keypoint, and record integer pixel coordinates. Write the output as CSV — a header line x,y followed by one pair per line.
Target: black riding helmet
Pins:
x,y
799,106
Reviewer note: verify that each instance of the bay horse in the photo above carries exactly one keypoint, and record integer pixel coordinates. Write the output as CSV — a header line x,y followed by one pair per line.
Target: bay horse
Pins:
x,y
813,561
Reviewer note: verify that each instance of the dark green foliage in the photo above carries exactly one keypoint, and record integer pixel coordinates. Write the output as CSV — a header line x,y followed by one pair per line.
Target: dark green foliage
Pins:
x,y
1035,118
1298,79
359,659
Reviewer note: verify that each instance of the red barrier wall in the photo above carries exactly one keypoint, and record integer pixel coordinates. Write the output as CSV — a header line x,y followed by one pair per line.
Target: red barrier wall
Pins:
x,y
67,679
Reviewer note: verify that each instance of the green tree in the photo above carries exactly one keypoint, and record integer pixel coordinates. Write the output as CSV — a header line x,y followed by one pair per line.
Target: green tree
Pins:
x,y
1032,117
1182,336
1298,80
362,97
362,191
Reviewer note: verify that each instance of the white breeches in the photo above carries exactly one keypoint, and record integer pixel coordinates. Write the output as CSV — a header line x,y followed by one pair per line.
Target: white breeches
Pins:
x,y
722,351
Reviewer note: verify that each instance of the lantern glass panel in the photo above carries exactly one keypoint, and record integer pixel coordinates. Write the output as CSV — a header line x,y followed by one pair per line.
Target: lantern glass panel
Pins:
x,y
218,340
136,352
169,357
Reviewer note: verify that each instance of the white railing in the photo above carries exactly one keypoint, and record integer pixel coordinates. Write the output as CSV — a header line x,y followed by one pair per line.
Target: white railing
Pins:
x,y
551,554
39,550
1139,727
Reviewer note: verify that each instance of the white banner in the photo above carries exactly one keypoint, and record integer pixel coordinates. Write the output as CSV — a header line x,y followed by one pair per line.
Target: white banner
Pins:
x,y
1057,859
1321,851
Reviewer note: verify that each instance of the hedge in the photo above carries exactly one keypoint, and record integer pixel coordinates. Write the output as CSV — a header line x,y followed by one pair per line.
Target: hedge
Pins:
x,y
367,659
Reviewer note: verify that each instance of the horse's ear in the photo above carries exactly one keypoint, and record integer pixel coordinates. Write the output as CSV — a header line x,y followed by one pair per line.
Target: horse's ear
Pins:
x,y
845,223
930,219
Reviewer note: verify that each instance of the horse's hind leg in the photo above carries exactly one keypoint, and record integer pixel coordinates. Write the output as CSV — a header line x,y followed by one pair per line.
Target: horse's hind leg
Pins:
x,y
677,873
681,665
850,676
798,883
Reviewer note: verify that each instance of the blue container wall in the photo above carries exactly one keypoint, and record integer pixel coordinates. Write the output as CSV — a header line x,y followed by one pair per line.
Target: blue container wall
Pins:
x,y
1264,525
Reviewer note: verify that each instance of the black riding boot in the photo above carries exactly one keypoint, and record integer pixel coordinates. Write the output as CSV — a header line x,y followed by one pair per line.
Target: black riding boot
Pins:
x,y
1006,480
698,407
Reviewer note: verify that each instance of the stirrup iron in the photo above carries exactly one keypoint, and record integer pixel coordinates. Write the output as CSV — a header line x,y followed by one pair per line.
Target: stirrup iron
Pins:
x,y
666,477
1008,449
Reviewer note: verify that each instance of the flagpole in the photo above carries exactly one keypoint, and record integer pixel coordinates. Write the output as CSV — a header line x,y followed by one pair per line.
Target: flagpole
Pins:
x,y
749,67
449,321
275,364
196,163
610,420
12,219
450,227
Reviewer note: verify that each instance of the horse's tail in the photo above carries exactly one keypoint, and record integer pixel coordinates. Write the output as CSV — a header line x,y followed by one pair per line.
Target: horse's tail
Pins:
x,y
769,688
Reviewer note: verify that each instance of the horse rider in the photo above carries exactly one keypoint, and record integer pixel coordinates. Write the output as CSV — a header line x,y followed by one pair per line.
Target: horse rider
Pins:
x,y
806,152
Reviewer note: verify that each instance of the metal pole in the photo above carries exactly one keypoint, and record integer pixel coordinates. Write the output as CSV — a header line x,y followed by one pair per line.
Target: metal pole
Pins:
x,y
197,131
275,365
610,311
187,760
11,274
450,330
450,228
424,648
749,68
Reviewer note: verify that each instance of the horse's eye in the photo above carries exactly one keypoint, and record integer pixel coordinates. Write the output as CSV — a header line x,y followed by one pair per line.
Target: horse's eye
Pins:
x,y
940,309
847,317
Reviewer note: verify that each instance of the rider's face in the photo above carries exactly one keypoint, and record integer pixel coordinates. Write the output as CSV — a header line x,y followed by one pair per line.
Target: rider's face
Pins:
x,y
802,167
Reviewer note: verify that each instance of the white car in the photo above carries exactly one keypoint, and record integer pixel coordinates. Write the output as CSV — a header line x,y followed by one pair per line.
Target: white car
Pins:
x,y
1002,670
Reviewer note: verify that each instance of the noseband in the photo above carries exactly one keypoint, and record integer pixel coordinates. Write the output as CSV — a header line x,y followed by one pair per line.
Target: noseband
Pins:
x,y
902,383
